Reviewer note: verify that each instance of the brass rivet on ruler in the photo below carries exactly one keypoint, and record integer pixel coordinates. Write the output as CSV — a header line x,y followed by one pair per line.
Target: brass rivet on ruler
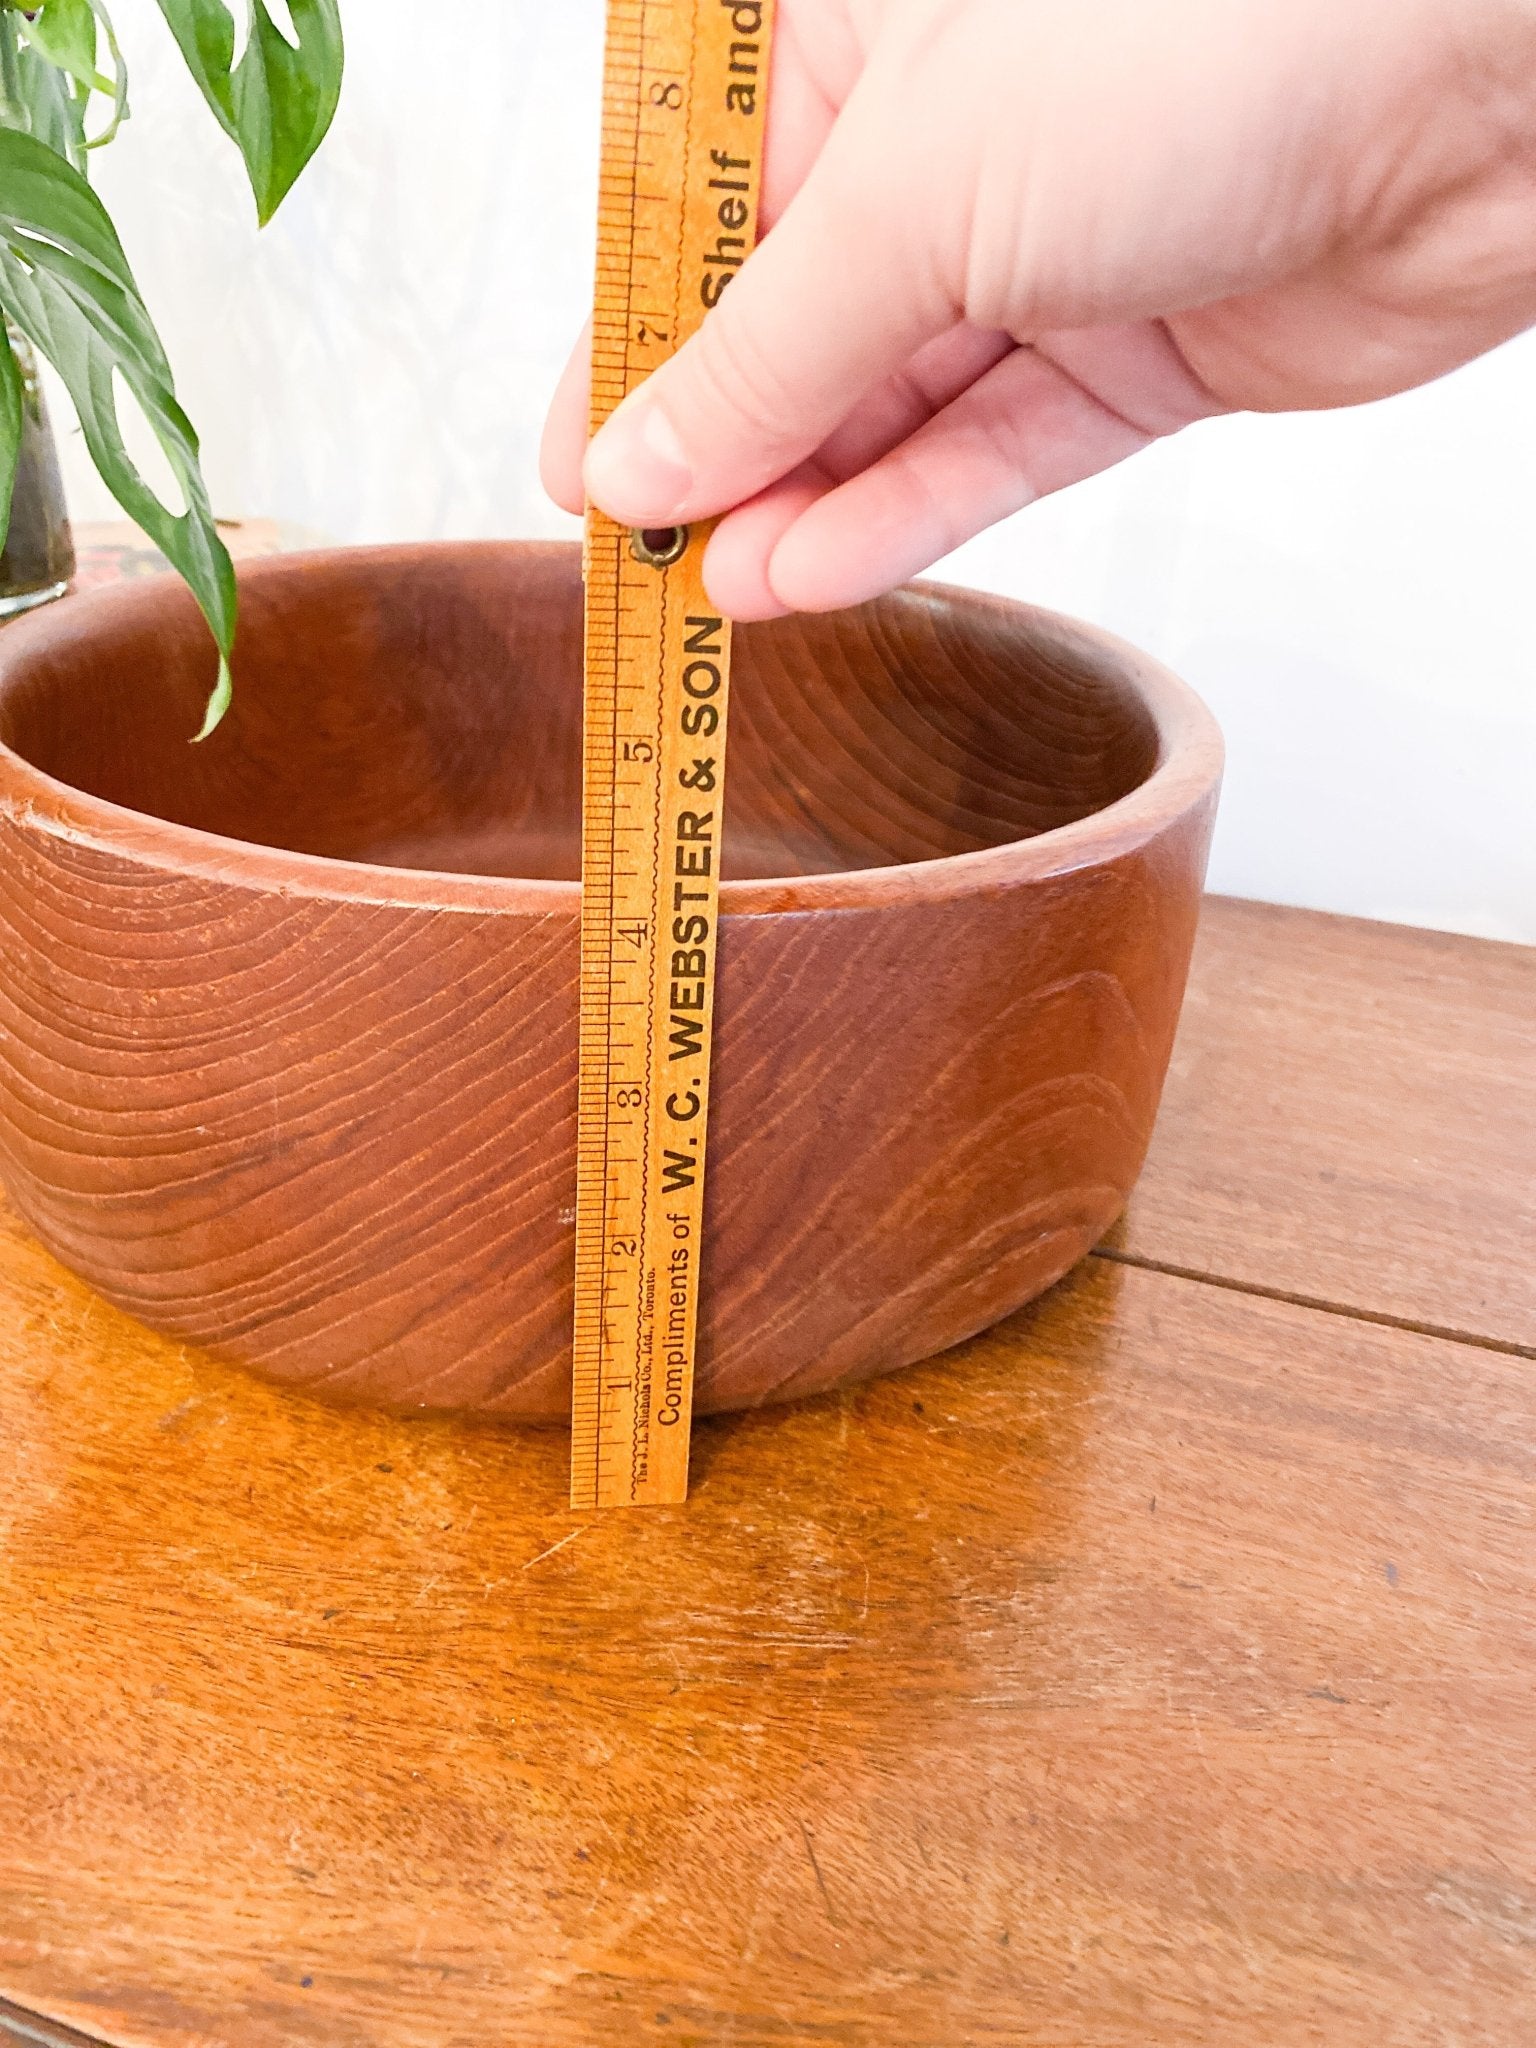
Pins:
x,y
658,547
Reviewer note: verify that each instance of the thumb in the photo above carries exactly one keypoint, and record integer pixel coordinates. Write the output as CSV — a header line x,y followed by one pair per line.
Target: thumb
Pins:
x,y
832,303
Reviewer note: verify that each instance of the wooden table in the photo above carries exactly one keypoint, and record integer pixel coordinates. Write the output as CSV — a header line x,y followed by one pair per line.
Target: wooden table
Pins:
x,y
1157,1669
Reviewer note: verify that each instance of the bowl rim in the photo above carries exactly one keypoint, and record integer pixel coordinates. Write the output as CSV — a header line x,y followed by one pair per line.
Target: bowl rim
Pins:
x,y
1186,775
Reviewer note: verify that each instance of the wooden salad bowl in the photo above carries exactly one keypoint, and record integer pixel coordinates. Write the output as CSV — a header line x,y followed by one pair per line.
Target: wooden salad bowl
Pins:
x,y
288,1019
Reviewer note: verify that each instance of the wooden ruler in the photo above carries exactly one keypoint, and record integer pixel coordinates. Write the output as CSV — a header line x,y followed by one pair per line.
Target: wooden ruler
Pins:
x,y
685,84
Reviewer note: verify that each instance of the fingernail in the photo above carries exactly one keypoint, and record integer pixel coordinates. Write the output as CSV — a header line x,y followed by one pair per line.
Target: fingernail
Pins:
x,y
636,468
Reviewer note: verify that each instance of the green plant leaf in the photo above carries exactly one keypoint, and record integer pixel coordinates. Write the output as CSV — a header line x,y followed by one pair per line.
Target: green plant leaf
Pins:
x,y
64,31
12,415
56,75
48,105
118,86
66,284
277,102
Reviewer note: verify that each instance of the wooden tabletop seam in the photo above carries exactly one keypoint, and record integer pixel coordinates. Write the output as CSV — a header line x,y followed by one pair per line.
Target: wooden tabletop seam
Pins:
x,y
1350,1120
1351,1312
19,2024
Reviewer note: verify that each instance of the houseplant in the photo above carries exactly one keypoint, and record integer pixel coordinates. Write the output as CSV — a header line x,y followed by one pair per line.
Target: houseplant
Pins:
x,y
66,288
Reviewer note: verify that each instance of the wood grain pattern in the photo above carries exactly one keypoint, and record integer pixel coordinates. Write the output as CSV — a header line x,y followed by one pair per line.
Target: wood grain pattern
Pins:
x,y
1156,1670
317,1113
1351,1117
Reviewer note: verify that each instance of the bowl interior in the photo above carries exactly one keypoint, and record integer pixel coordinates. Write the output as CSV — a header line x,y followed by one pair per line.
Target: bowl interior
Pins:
x,y
421,708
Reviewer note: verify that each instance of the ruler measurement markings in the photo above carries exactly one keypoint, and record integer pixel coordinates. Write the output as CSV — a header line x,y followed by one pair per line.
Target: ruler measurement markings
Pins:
x,y
667,61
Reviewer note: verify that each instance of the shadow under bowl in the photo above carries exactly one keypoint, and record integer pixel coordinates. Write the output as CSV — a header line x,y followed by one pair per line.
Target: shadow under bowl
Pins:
x,y
288,1020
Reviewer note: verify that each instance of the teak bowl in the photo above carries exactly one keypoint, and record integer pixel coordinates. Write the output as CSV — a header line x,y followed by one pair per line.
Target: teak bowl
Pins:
x,y
288,1020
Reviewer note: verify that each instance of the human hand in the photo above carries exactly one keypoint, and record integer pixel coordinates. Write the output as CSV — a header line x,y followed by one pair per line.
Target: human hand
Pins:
x,y
1014,241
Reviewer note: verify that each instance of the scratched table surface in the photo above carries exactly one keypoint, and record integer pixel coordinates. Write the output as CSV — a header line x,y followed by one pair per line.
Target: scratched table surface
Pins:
x,y
1157,1669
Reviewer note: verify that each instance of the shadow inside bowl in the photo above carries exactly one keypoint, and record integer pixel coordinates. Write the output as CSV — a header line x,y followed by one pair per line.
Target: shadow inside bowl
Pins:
x,y
422,710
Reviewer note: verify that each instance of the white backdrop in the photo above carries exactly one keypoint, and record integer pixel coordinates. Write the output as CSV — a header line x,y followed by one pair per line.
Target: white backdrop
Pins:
x,y
1352,593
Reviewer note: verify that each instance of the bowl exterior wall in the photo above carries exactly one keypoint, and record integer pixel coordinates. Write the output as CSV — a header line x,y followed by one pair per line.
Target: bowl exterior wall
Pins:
x,y
334,1140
